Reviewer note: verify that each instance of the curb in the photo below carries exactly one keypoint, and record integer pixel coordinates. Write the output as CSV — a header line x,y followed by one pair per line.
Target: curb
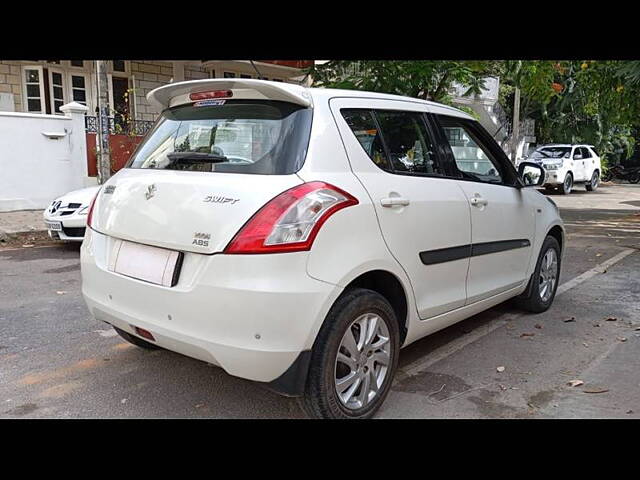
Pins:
x,y
22,238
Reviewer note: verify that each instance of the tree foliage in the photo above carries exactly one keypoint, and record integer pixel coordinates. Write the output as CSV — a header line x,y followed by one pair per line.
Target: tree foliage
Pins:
x,y
580,101
577,101
425,79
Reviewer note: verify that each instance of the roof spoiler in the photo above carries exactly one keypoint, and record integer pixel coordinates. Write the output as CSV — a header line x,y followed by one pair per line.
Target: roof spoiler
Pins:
x,y
178,93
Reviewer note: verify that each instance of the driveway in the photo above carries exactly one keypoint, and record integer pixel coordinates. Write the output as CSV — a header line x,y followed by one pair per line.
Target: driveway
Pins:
x,y
57,362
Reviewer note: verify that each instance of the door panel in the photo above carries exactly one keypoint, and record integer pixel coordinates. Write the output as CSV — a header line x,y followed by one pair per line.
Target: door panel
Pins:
x,y
420,217
579,173
502,235
502,221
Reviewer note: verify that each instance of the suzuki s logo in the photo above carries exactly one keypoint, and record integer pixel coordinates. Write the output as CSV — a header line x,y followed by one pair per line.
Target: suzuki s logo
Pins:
x,y
151,191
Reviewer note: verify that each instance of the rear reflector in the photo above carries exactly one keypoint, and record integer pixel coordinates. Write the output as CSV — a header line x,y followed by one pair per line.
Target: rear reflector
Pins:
x,y
144,333
211,94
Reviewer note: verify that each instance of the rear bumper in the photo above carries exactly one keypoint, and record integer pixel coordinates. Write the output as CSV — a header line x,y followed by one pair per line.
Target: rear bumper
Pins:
x,y
252,315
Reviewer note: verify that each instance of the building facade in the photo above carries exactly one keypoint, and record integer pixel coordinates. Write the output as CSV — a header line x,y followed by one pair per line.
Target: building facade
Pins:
x,y
43,86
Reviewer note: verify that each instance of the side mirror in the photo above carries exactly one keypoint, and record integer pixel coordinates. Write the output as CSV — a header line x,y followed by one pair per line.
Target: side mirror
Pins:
x,y
531,174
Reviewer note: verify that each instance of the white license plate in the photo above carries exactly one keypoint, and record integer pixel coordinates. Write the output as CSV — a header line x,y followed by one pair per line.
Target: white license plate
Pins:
x,y
144,262
54,226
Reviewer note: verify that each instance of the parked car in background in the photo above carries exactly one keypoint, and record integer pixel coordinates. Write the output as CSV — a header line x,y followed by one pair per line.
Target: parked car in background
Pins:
x,y
300,237
66,217
567,165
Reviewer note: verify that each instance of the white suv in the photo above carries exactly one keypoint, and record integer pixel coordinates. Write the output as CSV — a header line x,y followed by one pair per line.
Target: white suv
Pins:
x,y
300,237
567,165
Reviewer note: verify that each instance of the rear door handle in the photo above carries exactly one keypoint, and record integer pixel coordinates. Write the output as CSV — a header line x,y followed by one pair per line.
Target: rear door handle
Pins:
x,y
394,202
478,201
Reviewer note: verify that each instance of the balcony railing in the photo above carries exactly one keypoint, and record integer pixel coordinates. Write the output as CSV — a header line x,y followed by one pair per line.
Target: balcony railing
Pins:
x,y
117,125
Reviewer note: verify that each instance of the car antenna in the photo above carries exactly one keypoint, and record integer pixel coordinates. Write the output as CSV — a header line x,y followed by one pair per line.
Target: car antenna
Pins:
x,y
256,69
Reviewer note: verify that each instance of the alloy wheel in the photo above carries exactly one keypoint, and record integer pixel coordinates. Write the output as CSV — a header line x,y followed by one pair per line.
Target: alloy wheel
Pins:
x,y
363,360
548,275
568,183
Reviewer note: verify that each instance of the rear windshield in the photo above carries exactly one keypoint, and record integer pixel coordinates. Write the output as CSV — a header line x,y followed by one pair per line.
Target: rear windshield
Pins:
x,y
236,136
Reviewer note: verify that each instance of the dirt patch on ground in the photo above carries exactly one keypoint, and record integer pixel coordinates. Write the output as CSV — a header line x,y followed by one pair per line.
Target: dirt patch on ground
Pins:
x,y
33,239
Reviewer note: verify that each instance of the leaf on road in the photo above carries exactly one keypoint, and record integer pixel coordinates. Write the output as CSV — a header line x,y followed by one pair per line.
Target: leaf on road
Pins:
x,y
500,369
538,326
612,319
622,339
569,319
596,390
27,246
575,383
526,334
61,292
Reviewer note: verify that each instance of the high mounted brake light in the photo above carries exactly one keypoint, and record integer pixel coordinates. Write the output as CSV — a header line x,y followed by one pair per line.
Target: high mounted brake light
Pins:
x,y
290,221
211,94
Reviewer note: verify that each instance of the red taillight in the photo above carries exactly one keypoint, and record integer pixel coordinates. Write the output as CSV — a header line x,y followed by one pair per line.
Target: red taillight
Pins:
x,y
291,221
90,213
211,94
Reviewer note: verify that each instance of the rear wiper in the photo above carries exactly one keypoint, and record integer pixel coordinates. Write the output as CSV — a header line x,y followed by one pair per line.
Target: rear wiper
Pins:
x,y
197,157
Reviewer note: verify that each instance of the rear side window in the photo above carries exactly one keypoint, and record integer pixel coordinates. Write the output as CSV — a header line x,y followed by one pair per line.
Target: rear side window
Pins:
x,y
396,141
236,136
364,127
409,146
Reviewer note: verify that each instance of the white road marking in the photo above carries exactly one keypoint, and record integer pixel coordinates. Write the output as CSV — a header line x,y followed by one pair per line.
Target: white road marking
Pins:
x,y
452,347
600,268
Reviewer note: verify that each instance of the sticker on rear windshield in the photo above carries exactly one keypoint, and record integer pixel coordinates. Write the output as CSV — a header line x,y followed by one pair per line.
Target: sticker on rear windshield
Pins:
x,y
208,103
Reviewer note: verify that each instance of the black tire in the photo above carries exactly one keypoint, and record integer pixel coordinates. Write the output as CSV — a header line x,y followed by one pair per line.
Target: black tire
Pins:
x,y
532,302
593,184
567,185
320,399
138,342
549,190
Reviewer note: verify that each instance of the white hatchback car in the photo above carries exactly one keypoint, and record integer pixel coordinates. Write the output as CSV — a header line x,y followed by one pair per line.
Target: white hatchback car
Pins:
x,y
567,165
66,217
300,237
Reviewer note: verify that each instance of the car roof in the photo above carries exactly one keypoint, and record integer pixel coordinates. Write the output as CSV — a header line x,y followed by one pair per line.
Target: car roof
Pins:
x,y
168,95
319,92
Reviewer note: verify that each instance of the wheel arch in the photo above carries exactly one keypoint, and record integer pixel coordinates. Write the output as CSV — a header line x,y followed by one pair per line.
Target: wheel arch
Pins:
x,y
390,287
557,232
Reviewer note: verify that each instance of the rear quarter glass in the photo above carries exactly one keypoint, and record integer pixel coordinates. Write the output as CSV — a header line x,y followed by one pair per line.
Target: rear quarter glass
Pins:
x,y
232,136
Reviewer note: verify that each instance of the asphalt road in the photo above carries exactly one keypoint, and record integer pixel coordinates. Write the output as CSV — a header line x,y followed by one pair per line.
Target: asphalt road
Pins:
x,y
57,362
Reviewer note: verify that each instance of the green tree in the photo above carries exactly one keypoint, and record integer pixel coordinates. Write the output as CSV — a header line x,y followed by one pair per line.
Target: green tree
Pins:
x,y
425,79
586,101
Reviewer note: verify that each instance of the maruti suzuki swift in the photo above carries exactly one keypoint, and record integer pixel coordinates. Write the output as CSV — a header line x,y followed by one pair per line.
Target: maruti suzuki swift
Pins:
x,y
300,237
